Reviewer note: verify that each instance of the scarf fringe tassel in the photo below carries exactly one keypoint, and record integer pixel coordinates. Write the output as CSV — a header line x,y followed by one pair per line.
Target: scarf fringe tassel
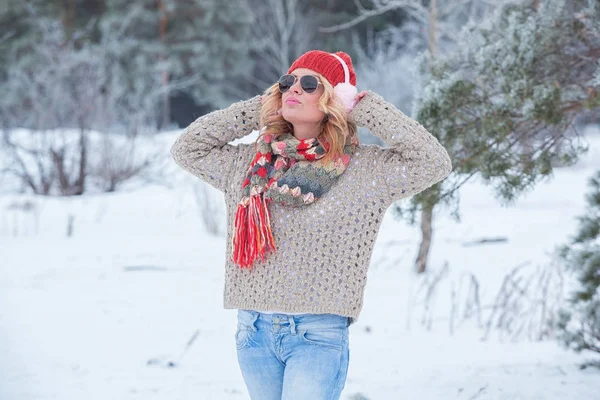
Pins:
x,y
253,237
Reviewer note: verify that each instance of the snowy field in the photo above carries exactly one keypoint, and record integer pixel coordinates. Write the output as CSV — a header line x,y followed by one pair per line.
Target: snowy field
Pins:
x,y
82,316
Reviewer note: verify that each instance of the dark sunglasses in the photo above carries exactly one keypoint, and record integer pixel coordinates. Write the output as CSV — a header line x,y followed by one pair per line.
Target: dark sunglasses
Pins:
x,y
308,83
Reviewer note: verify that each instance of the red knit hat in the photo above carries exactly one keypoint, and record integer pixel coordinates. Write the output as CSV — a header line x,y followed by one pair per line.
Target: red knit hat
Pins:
x,y
336,67
327,65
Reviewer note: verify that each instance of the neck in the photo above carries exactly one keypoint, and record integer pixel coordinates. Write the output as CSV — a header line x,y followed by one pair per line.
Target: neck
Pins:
x,y
306,131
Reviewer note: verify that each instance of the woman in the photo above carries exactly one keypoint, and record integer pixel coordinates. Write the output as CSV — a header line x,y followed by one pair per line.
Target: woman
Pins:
x,y
304,207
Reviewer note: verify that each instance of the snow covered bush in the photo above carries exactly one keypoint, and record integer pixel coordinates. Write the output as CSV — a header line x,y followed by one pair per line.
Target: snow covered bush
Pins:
x,y
211,208
63,92
47,162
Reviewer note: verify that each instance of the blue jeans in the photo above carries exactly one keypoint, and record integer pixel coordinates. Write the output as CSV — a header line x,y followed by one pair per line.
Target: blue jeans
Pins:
x,y
292,357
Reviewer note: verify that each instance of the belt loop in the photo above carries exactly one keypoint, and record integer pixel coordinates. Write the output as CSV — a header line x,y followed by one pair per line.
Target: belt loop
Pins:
x,y
255,316
292,324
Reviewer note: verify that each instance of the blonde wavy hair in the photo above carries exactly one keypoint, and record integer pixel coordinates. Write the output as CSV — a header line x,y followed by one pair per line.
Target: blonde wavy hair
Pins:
x,y
335,126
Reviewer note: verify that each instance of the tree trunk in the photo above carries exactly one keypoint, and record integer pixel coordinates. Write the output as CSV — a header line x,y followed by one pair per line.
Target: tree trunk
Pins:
x,y
68,10
166,103
80,184
427,211
426,233
58,158
432,29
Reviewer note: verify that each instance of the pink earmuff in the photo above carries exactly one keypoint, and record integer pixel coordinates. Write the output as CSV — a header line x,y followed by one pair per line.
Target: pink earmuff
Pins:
x,y
345,91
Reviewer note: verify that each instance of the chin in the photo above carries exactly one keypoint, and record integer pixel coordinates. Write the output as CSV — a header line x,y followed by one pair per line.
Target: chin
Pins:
x,y
288,115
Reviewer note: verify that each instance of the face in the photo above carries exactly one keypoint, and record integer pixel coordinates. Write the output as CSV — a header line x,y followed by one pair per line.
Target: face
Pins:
x,y
299,107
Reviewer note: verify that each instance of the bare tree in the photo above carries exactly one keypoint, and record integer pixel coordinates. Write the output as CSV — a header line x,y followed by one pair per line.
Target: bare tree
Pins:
x,y
281,32
47,94
70,89
119,159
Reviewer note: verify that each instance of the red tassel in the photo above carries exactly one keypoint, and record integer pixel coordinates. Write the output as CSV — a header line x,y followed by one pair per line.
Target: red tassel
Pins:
x,y
239,235
252,236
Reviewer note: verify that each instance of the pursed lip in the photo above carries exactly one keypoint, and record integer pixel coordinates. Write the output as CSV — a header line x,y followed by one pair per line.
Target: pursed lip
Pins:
x,y
292,100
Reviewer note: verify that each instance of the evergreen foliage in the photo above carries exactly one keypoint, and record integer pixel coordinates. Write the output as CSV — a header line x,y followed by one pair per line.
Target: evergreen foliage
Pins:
x,y
503,106
579,322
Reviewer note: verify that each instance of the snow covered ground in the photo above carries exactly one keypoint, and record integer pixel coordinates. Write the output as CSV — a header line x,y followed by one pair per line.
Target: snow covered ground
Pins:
x,y
81,316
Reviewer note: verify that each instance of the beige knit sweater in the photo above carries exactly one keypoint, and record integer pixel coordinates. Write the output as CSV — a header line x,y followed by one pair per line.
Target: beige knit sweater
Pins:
x,y
323,249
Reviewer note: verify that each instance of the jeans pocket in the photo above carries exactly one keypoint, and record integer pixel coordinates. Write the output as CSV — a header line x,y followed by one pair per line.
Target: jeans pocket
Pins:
x,y
242,336
327,337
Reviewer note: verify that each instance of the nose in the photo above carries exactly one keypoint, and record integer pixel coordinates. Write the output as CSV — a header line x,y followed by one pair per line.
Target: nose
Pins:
x,y
296,88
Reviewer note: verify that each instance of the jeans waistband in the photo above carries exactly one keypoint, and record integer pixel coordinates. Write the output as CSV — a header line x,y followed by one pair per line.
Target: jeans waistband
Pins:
x,y
249,317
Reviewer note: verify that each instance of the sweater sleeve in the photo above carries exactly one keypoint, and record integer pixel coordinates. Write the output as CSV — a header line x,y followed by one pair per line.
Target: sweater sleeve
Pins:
x,y
414,161
203,148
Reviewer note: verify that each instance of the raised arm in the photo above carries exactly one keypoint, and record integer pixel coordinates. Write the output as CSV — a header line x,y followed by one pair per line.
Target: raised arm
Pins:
x,y
203,148
414,161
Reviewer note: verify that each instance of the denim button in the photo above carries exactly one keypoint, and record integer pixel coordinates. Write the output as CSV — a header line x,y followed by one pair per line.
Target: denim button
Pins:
x,y
276,320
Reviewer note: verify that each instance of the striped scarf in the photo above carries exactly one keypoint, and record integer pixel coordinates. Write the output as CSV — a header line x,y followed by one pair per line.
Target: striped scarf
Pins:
x,y
286,170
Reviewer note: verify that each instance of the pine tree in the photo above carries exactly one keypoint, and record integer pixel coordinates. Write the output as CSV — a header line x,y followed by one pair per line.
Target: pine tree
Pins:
x,y
504,101
579,324
504,105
